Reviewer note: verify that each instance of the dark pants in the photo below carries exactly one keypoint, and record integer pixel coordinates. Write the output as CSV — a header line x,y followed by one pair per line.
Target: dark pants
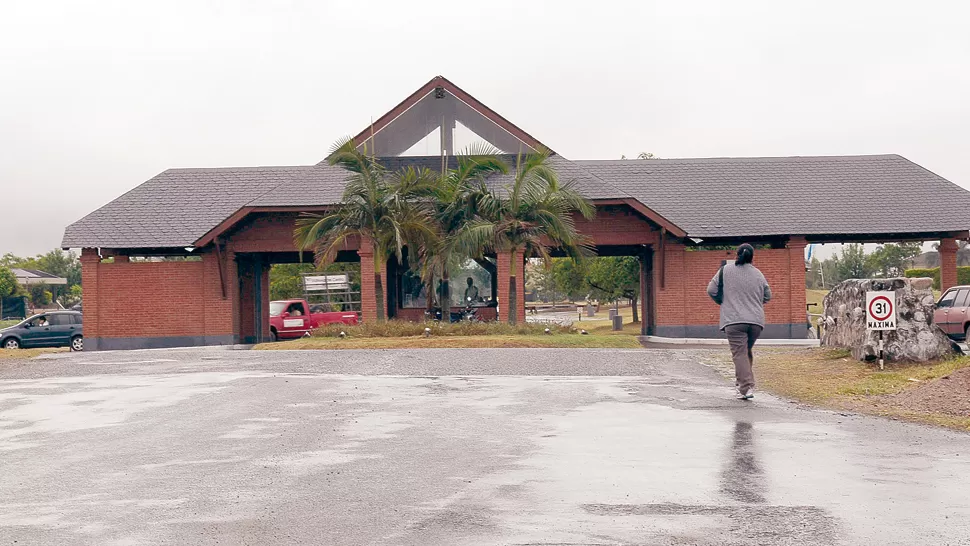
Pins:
x,y
741,338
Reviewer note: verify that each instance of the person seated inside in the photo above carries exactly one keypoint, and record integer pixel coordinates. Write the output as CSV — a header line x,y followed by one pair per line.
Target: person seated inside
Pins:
x,y
296,310
471,293
40,321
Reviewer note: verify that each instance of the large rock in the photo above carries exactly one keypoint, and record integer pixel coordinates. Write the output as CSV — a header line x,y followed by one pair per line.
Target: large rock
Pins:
x,y
916,338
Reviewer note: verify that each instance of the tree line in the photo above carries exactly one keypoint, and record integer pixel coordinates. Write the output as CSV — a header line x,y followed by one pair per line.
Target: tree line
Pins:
x,y
56,262
887,260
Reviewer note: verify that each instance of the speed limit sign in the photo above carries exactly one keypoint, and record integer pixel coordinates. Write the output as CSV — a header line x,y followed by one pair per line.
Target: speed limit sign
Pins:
x,y
881,310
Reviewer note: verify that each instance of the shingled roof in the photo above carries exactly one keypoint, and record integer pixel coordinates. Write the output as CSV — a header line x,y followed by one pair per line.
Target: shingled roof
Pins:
x,y
767,196
179,206
176,207
707,198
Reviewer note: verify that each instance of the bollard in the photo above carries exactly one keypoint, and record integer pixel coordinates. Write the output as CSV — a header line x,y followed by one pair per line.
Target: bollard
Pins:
x,y
617,323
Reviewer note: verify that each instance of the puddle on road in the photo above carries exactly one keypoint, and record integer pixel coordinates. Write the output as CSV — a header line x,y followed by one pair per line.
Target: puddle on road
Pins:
x,y
82,403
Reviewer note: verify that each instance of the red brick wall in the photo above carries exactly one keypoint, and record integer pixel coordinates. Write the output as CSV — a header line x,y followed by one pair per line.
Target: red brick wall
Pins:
x,y
684,300
368,295
617,225
157,299
265,232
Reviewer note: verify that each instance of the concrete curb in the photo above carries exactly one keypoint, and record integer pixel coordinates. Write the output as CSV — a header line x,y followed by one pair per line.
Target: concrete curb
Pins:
x,y
724,342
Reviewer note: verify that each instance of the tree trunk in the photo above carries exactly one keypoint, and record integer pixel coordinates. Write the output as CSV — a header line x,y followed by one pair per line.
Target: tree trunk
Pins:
x,y
445,296
379,289
636,311
513,300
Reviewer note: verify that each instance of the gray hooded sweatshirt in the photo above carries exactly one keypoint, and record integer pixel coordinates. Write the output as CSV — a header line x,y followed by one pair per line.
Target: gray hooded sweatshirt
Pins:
x,y
745,294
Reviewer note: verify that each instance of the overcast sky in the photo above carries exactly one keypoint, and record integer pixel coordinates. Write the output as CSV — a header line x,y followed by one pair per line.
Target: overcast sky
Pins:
x,y
97,97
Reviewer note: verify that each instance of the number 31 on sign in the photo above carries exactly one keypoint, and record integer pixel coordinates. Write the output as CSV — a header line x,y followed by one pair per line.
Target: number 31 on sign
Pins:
x,y
881,310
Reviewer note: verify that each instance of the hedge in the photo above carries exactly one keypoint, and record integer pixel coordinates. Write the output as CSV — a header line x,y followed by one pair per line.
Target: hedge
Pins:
x,y
963,275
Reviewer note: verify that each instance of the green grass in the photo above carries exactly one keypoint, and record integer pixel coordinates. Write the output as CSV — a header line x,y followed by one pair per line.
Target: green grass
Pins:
x,y
24,354
816,297
399,334
896,379
403,328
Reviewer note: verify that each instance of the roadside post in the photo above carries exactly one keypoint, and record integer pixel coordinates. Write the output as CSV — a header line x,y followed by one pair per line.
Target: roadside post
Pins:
x,y
881,316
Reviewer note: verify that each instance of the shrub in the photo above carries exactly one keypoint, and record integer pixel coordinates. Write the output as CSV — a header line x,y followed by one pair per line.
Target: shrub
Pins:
x,y
403,328
963,275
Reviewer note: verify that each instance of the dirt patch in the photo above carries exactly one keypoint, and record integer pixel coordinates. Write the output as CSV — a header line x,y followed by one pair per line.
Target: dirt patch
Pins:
x,y
948,395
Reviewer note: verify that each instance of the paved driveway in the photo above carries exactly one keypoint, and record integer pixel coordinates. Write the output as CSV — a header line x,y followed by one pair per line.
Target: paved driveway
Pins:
x,y
452,447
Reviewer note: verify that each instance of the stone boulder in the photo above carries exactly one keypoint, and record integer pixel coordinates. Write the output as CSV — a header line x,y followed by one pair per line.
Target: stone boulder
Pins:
x,y
916,338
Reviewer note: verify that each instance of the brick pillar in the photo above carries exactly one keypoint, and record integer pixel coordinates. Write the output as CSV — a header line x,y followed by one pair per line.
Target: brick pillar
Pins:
x,y
796,275
948,263
368,299
504,272
90,263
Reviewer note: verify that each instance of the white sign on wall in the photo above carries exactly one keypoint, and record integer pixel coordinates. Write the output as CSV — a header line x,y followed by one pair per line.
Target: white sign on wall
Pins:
x,y
317,283
881,310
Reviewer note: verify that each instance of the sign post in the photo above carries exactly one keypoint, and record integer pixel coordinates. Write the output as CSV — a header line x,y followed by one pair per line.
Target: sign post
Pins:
x,y
880,316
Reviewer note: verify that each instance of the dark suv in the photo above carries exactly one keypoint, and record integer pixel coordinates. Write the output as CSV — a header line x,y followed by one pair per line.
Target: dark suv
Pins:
x,y
952,313
54,329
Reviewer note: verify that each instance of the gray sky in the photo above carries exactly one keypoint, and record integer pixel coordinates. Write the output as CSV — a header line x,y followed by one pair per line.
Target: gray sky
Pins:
x,y
97,97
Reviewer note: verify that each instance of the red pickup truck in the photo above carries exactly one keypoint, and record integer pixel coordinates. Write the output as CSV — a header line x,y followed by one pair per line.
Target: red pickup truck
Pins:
x,y
291,319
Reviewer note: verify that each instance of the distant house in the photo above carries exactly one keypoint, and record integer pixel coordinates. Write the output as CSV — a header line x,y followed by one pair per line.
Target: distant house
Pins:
x,y
29,277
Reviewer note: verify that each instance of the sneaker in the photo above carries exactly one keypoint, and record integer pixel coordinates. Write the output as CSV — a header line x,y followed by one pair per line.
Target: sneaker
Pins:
x,y
740,395
750,395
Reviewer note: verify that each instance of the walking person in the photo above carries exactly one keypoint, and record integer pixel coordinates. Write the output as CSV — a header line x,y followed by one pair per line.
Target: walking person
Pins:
x,y
742,292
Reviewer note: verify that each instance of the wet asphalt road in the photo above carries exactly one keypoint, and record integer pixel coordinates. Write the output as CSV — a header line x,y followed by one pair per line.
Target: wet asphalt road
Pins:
x,y
452,447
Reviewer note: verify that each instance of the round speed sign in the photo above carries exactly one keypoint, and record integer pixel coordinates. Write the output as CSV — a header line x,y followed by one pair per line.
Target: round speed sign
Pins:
x,y
881,310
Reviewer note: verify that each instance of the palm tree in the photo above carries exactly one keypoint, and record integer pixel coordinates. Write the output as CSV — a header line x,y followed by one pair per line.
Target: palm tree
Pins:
x,y
528,219
379,208
453,203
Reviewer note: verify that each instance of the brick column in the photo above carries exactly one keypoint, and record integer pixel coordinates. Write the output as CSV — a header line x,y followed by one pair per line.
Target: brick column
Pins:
x,y
796,275
504,272
948,263
368,298
90,263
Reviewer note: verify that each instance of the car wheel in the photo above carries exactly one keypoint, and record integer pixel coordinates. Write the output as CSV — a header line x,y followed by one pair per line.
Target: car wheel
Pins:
x,y
11,343
272,336
77,343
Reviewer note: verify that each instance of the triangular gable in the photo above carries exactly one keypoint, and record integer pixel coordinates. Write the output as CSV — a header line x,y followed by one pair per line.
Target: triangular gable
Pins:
x,y
441,104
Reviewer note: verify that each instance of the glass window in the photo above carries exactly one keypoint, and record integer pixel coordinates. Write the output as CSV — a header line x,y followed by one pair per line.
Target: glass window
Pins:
x,y
947,299
60,320
961,299
471,284
39,321
414,294
76,318
276,307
